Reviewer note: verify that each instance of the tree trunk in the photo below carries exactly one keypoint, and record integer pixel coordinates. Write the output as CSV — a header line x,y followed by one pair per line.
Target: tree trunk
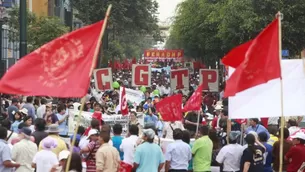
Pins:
x,y
51,4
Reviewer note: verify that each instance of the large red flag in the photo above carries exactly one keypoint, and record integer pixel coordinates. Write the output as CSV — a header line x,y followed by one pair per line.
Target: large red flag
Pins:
x,y
124,106
194,102
60,68
261,61
170,108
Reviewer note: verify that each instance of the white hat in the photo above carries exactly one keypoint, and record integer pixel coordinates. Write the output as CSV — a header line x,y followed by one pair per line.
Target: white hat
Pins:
x,y
24,111
299,135
63,155
218,107
92,132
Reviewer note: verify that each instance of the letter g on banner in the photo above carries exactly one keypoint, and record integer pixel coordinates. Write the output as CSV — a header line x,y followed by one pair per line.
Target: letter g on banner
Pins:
x,y
141,75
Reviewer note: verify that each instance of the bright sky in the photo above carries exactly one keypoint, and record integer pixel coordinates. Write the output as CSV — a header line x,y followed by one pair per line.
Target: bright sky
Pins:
x,y
167,9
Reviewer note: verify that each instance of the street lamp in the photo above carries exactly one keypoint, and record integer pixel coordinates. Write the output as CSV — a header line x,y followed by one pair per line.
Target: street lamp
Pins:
x,y
23,28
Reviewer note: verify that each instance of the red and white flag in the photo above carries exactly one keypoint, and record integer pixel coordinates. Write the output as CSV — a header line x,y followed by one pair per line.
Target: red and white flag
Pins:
x,y
124,105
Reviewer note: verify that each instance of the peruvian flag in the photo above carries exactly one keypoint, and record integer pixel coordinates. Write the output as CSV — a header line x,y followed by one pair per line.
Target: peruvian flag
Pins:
x,y
123,100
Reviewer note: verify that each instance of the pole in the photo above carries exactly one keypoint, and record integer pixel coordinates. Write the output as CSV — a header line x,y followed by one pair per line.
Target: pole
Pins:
x,y
71,15
23,28
84,98
279,16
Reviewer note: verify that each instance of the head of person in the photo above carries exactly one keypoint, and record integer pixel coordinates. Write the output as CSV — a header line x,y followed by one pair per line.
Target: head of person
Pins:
x,y
43,101
148,135
186,136
95,124
40,124
234,136
77,163
134,130
272,130
28,121
104,137
204,130
61,109
48,143
29,99
15,101
117,129
254,134
18,116
53,129
25,133
263,137
93,135
286,133
97,107
81,130
224,113
254,122
77,139
298,138
6,123
106,128
3,133
292,123
62,157
177,134
149,100
250,139
133,116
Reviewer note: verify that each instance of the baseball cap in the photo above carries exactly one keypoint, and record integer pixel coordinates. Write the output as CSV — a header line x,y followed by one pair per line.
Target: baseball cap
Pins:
x,y
149,133
63,155
234,135
92,132
299,135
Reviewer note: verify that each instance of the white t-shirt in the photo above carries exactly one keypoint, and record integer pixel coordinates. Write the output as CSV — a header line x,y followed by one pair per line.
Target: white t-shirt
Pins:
x,y
41,110
128,146
230,156
45,160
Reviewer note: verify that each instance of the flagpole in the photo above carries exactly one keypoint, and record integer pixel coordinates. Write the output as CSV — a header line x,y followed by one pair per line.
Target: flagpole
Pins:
x,y
97,48
279,15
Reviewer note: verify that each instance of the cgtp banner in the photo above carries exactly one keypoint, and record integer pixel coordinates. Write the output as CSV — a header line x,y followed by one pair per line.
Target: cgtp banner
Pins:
x,y
103,79
209,78
179,79
141,75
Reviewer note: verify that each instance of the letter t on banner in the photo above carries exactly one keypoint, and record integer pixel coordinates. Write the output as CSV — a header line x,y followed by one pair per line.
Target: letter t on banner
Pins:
x,y
103,79
179,79
141,75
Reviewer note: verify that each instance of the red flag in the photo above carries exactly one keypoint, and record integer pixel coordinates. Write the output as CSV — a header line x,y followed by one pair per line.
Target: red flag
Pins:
x,y
194,102
236,56
261,61
170,108
60,68
124,107
134,61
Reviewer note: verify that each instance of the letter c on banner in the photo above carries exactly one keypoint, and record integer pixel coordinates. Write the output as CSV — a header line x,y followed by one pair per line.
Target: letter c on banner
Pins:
x,y
103,79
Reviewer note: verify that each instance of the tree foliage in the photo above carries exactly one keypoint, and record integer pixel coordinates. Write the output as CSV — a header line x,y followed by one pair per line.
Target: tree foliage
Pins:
x,y
40,29
208,29
131,22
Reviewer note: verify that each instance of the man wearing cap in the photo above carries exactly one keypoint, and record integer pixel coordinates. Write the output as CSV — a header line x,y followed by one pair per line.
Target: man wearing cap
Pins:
x,y
230,154
12,109
148,156
53,131
24,151
296,154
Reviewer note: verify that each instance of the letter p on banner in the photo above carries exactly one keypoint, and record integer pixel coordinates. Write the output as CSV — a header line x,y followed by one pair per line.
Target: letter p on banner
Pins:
x,y
103,79
141,75
209,78
179,79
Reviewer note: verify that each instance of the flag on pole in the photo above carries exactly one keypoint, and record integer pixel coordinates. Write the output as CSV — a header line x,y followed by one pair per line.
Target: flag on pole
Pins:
x,y
194,102
60,68
259,61
170,108
124,106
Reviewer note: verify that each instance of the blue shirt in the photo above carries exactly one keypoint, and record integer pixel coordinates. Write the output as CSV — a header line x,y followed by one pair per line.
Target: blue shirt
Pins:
x,y
63,127
10,111
5,155
149,156
151,119
14,126
31,110
258,129
117,141
268,158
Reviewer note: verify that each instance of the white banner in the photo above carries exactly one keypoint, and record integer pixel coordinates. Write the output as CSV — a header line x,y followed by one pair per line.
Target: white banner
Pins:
x,y
133,96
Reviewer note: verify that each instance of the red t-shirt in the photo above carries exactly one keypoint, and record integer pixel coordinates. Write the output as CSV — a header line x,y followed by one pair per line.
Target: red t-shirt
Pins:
x,y
296,156
214,122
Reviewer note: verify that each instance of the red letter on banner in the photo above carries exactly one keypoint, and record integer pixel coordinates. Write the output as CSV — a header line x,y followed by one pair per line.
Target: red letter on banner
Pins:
x,y
209,78
103,79
179,79
141,75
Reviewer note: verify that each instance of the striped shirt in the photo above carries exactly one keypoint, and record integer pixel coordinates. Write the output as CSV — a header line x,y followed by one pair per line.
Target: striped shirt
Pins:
x,y
93,147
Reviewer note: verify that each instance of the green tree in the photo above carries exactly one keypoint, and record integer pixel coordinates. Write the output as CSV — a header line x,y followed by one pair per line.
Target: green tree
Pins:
x,y
40,29
208,29
131,22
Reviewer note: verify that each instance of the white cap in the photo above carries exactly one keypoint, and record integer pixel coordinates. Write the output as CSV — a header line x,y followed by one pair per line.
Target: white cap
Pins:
x,y
299,135
63,155
92,132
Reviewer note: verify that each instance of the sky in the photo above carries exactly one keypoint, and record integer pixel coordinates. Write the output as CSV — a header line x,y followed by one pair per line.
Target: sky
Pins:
x,y
167,9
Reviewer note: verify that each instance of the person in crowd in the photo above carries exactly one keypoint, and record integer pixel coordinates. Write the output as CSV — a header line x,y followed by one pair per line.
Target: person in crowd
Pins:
x,y
36,103
229,155
107,156
252,159
6,163
28,122
53,131
217,114
216,148
191,122
202,151
12,109
49,116
20,136
30,107
296,154
91,150
293,126
39,133
273,138
276,151
129,145
169,127
148,155
268,154
150,117
62,160
76,166
45,159
41,110
178,154
17,120
24,151
134,120
256,127
187,139
76,147
10,134
83,139
117,138
62,120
